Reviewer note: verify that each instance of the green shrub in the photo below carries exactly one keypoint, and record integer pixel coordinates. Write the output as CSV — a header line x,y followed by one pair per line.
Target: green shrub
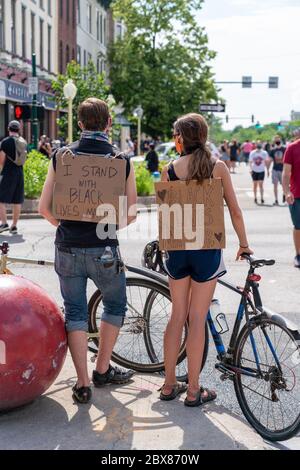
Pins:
x,y
144,182
35,172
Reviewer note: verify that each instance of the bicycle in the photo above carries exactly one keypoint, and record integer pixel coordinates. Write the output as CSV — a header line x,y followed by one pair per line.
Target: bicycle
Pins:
x,y
261,357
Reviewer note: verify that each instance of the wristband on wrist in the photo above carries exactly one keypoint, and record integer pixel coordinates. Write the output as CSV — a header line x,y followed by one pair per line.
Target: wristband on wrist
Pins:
x,y
244,247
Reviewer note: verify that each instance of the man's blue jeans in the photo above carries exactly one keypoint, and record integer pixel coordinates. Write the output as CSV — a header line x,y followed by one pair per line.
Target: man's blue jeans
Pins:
x,y
74,267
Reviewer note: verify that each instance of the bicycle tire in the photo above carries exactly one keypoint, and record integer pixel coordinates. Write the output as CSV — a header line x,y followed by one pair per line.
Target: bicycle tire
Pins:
x,y
182,377
93,305
270,435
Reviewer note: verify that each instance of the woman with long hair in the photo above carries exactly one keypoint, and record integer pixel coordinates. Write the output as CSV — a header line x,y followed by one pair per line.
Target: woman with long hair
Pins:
x,y
193,274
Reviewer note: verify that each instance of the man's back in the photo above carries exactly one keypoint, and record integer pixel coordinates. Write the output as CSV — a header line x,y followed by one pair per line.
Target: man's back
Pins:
x,y
8,146
84,234
292,157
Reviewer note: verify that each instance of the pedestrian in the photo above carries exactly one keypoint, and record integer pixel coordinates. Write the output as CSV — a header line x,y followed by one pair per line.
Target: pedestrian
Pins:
x,y
291,188
258,159
13,152
44,146
246,149
234,153
224,152
193,274
276,159
130,148
82,255
152,159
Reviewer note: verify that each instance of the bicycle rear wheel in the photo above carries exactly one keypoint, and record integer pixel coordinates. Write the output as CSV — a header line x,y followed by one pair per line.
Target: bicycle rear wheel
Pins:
x,y
132,349
271,400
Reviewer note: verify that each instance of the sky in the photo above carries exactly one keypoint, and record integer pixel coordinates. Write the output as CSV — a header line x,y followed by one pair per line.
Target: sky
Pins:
x,y
258,38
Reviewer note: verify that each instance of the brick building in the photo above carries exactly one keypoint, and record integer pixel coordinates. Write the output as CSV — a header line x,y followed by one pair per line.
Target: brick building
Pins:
x,y
26,27
67,32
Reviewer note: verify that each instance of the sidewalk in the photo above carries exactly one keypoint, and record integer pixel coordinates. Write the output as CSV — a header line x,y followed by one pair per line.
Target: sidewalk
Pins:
x,y
122,418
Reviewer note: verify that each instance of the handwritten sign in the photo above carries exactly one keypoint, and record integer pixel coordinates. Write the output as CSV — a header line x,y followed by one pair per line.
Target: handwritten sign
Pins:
x,y
86,183
190,215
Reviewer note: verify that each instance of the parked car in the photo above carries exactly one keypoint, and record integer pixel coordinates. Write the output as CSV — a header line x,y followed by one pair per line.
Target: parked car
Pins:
x,y
166,151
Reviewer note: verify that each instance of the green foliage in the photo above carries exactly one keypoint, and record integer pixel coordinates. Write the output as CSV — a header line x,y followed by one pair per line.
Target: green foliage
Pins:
x,y
89,84
265,133
35,172
144,182
162,62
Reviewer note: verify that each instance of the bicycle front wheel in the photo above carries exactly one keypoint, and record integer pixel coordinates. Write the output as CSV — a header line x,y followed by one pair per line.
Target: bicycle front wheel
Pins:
x,y
270,398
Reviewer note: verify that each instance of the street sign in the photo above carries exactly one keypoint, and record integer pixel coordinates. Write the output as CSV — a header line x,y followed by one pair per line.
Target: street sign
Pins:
x,y
213,108
247,82
33,83
273,82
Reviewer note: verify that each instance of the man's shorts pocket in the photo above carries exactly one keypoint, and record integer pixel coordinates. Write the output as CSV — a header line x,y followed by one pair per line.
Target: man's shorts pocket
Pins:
x,y
65,263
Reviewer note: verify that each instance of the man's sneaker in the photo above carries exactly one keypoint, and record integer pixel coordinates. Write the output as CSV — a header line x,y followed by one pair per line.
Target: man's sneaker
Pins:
x,y
13,230
297,261
114,375
283,199
255,201
4,228
262,201
276,203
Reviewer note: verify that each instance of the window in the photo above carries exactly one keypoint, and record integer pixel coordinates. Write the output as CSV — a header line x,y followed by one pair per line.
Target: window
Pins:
x,y
41,43
61,58
24,35
84,58
74,14
89,18
2,30
49,8
104,31
119,31
32,33
61,8
42,4
98,25
68,11
78,12
79,55
67,54
13,27
49,47
101,29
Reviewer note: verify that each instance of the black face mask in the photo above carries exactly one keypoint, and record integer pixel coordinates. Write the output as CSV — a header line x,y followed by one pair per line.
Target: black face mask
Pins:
x,y
259,147
278,142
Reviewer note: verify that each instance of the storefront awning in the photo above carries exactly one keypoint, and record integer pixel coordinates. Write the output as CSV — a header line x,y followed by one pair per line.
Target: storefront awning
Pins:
x,y
14,91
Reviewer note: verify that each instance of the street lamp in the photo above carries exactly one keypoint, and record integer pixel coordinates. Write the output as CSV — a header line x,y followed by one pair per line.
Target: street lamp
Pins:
x,y
139,112
70,91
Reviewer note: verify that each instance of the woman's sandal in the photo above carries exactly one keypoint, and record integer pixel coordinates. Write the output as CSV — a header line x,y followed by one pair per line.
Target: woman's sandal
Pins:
x,y
82,395
177,389
204,395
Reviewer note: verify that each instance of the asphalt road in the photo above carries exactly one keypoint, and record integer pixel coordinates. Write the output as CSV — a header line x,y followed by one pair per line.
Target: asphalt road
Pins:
x,y
270,235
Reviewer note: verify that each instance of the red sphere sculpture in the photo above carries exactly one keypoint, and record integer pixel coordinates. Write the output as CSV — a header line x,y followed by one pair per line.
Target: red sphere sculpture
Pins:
x,y
33,344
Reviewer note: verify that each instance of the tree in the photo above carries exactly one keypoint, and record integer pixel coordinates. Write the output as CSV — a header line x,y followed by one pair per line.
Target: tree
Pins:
x,y
162,62
89,84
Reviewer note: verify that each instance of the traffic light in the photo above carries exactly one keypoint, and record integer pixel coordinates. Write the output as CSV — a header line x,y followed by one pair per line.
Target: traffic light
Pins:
x,y
247,82
273,82
227,119
253,119
22,112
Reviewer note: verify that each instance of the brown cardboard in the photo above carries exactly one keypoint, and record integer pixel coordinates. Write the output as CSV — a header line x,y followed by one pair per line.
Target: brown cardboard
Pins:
x,y
199,204
83,183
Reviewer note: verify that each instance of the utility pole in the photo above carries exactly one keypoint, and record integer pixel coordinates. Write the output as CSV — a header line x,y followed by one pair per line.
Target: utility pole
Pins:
x,y
34,119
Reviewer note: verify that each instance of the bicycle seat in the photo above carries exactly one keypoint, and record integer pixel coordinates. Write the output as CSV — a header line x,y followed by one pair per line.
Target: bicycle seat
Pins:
x,y
258,263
